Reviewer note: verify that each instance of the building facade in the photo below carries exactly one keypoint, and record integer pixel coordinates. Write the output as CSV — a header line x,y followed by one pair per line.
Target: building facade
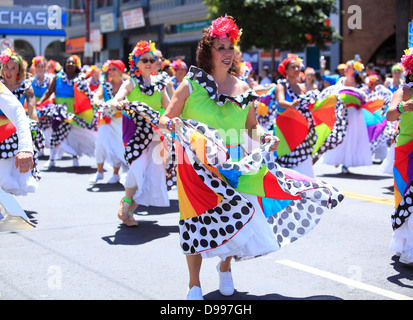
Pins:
x,y
175,26
35,30
117,25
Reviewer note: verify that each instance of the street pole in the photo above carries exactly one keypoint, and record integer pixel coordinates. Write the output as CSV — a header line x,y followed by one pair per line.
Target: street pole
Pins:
x,y
87,58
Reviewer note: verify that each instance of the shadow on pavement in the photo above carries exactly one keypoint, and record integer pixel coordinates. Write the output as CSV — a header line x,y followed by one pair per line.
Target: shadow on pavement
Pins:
x,y
105,187
173,207
77,170
354,176
404,273
145,232
216,295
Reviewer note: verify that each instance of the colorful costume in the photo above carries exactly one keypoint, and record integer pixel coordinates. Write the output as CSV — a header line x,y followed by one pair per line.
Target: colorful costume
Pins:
x,y
74,121
15,136
109,145
232,205
355,148
143,148
296,130
403,186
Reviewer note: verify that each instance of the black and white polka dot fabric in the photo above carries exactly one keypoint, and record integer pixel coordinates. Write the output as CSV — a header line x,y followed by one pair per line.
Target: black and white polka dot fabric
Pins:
x,y
9,147
404,210
145,119
218,225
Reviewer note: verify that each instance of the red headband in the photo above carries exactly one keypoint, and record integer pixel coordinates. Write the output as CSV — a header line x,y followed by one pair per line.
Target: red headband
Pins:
x,y
283,66
117,63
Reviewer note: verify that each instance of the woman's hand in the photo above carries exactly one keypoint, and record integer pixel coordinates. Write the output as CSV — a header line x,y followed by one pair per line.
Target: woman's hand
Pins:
x,y
117,105
275,143
174,124
24,161
407,106
295,103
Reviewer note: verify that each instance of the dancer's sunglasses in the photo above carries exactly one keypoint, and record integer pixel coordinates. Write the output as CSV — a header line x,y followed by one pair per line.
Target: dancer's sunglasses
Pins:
x,y
145,61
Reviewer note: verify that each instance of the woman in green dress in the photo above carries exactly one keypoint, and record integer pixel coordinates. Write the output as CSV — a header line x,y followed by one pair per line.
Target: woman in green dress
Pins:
x,y
222,200
145,181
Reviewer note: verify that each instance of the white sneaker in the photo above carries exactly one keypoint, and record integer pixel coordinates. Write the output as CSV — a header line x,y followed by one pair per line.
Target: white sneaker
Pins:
x,y
49,164
114,179
226,285
98,176
75,162
195,293
407,257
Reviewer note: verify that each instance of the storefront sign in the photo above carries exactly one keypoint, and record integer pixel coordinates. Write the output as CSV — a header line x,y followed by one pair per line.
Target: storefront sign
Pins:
x,y
108,22
133,19
192,26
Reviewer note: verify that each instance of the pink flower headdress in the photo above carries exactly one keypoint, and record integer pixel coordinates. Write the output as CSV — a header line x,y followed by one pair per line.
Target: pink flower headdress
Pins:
x,y
37,60
7,54
179,63
407,61
225,27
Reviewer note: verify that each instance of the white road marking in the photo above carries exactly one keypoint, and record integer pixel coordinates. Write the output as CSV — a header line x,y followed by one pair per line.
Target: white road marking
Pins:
x,y
344,280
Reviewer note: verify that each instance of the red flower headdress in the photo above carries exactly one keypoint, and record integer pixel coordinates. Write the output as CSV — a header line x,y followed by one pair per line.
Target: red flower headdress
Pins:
x,y
225,27
140,48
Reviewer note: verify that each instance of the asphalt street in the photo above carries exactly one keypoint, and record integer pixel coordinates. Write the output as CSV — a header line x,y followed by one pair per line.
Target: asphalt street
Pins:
x,y
79,250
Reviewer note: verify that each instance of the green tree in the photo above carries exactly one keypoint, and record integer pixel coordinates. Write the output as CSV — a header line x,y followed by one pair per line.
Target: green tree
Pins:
x,y
278,24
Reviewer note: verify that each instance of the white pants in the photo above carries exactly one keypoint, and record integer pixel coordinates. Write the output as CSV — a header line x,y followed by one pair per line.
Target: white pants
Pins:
x,y
147,174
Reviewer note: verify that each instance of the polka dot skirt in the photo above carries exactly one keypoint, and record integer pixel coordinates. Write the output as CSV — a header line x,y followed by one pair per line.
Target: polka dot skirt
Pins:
x,y
218,225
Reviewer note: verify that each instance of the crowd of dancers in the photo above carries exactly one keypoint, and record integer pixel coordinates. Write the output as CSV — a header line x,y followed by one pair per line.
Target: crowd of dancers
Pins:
x,y
240,155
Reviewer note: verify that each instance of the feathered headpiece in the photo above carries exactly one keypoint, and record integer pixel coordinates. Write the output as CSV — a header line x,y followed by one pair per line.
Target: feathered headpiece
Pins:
x,y
140,48
225,27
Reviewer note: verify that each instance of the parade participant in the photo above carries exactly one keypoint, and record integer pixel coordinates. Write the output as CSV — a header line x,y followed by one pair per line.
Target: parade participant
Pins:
x,y
93,76
145,181
109,146
180,69
53,67
289,98
401,107
394,83
354,150
380,130
16,165
13,73
41,80
209,113
74,128
310,81
163,67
